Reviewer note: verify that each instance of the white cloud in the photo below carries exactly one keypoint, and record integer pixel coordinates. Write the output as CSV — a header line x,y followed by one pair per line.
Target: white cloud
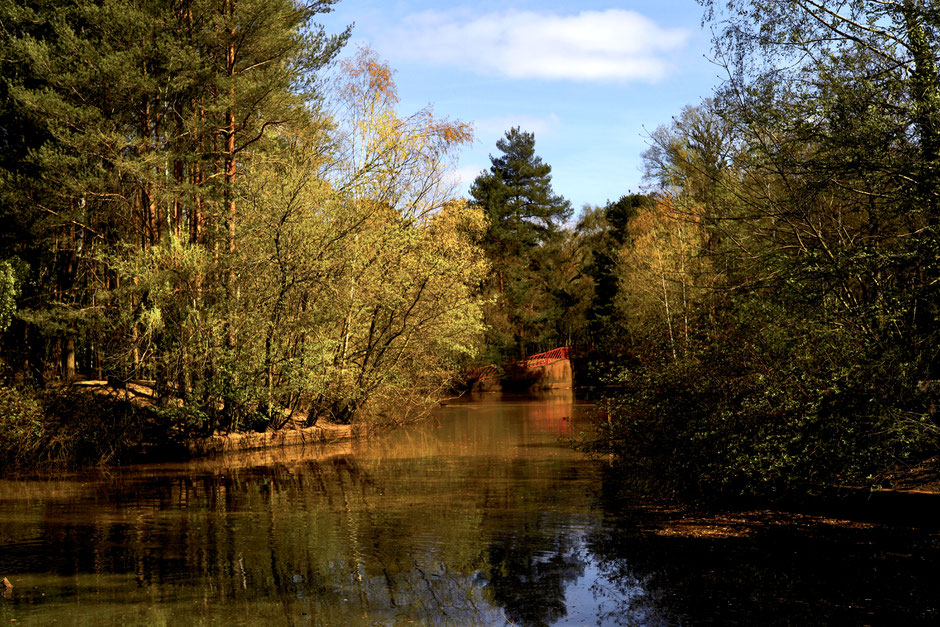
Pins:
x,y
607,45
463,176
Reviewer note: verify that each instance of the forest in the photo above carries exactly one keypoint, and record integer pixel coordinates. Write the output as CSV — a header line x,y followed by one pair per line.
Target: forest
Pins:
x,y
206,196
780,295
200,195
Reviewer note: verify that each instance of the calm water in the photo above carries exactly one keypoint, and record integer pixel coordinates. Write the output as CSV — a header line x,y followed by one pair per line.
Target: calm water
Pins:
x,y
479,517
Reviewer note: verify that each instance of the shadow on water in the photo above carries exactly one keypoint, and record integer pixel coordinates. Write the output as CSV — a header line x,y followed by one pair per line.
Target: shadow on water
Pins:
x,y
771,567
480,517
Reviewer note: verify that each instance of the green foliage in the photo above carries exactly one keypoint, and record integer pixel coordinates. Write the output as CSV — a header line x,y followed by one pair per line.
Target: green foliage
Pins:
x,y
112,115
764,410
185,421
9,290
202,211
73,428
523,243
517,196
782,293
22,428
602,233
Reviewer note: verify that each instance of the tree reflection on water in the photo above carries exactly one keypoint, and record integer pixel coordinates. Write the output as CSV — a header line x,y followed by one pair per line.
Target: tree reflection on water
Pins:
x,y
482,519
769,567
527,573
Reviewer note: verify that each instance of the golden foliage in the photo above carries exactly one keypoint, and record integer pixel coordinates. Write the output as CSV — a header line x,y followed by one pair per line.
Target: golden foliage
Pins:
x,y
663,270
403,162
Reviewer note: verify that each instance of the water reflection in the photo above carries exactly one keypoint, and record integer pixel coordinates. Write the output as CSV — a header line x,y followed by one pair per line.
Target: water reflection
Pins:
x,y
528,572
479,517
777,569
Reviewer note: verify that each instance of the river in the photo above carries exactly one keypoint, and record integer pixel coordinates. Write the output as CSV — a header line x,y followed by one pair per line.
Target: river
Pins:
x,y
480,516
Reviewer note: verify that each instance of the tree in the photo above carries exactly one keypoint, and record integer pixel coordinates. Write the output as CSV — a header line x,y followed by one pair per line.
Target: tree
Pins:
x,y
8,293
840,102
404,294
355,268
526,218
802,223
662,273
131,123
199,206
603,234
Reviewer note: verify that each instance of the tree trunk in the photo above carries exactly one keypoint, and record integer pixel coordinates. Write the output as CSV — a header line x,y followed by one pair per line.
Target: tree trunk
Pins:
x,y
231,169
68,359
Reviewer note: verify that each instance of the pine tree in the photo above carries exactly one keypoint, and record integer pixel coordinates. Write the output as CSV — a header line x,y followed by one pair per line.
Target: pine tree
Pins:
x,y
602,233
125,123
526,217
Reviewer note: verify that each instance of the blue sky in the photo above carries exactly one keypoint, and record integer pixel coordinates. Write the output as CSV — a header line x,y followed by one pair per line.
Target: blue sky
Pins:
x,y
589,79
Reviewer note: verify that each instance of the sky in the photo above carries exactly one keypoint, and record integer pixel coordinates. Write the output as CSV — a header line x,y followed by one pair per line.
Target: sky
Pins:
x,y
591,80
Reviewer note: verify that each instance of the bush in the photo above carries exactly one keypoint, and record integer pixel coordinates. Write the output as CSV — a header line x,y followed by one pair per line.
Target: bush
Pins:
x,y
22,429
745,413
72,427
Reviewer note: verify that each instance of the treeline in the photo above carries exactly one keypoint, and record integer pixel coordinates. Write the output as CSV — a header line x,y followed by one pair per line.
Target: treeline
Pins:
x,y
779,296
764,319
553,281
198,194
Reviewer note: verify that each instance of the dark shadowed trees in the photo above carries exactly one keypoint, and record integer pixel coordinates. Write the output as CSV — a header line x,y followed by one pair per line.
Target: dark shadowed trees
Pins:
x,y
792,264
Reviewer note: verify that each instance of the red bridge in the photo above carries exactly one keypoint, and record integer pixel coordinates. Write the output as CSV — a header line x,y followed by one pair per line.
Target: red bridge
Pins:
x,y
549,357
548,370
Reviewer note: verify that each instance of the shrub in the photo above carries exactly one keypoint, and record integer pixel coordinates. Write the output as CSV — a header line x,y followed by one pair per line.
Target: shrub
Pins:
x,y
745,413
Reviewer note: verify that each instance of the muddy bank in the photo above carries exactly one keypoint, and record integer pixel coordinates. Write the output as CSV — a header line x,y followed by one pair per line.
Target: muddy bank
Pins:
x,y
98,423
141,394
319,434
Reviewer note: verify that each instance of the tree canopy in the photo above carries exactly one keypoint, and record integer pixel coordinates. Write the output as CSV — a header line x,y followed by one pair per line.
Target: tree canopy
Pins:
x,y
195,202
783,287
522,241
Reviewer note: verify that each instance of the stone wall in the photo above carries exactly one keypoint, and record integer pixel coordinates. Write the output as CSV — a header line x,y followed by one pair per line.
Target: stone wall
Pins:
x,y
554,376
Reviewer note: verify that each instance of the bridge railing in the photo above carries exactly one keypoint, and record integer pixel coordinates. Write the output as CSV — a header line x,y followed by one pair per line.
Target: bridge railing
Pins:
x,y
486,372
533,361
548,357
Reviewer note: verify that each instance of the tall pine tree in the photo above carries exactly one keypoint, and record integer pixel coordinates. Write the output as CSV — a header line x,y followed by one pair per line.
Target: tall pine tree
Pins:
x,y
125,124
525,217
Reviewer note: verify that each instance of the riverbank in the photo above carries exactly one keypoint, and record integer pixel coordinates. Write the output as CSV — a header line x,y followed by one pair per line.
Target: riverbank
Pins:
x,y
293,433
326,433
97,423
480,516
